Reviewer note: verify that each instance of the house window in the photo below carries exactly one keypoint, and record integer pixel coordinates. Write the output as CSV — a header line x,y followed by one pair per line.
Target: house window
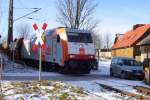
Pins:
x,y
137,51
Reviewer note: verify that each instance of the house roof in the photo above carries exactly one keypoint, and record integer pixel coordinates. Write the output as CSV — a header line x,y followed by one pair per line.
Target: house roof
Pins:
x,y
145,41
131,37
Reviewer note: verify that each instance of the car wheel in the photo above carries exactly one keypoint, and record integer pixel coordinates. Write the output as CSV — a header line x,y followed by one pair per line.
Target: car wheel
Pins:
x,y
111,73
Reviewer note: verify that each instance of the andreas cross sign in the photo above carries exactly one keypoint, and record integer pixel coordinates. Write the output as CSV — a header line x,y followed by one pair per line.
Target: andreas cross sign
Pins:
x,y
39,35
39,41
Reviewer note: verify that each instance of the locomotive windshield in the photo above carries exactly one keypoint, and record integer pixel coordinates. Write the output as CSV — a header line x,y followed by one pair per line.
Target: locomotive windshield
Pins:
x,y
79,37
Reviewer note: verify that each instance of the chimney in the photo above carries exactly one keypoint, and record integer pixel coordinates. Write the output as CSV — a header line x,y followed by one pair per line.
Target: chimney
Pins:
x,y
137,26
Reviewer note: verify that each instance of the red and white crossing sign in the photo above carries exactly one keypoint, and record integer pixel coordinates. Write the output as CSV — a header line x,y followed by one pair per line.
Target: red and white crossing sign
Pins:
x,y
39,35
39,41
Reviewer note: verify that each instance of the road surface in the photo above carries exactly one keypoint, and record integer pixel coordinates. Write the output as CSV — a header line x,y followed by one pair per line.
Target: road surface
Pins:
x,y
54,76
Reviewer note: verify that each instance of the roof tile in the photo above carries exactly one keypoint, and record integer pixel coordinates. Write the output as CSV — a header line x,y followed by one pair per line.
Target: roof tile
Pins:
x,y
131,37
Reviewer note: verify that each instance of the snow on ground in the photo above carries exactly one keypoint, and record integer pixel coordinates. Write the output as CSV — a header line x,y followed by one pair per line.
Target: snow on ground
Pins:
x,y
11,68
122,84
15,68
103,69
44,90
96,89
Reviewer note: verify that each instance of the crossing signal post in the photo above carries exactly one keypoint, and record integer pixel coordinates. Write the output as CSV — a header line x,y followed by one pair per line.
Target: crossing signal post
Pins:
x,y
39,43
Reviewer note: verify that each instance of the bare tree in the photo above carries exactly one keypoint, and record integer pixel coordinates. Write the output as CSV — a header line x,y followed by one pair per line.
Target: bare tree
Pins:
x,y
77,14
23,31
4,42
97,40
3,39
107,40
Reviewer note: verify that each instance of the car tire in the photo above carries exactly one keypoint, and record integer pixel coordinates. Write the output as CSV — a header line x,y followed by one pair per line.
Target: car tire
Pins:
x,y
111,73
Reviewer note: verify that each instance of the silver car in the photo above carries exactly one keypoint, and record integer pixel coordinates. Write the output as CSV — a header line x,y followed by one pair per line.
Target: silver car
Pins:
x,y
124,67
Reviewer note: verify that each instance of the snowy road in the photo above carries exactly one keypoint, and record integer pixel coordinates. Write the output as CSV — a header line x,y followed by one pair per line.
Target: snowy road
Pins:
x,y
56,77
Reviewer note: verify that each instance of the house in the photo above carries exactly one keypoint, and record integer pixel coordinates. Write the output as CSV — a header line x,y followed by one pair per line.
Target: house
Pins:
x,y
127,45
145,57
105,53
145,47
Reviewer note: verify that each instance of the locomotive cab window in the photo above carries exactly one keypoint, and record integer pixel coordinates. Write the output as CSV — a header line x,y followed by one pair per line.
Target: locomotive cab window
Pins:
x,y
79,37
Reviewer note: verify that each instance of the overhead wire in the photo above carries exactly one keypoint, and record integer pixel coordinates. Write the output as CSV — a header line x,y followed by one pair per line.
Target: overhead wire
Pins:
x,y
25,8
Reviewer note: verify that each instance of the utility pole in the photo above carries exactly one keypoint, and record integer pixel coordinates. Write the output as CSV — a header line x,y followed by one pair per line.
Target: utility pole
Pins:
x,y
10,23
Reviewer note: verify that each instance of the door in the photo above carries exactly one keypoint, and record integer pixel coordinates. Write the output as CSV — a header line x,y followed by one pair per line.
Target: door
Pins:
x,y
58,51
54,49
119,66
113,65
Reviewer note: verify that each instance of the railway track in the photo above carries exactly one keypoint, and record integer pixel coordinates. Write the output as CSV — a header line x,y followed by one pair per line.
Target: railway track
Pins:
x,y
143,90
143,93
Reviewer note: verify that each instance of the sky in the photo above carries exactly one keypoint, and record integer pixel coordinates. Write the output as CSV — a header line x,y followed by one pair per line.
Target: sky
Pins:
x,y
116,16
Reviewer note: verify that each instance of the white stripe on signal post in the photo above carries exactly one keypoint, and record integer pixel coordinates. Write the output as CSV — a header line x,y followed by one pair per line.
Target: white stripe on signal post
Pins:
x,y
39,38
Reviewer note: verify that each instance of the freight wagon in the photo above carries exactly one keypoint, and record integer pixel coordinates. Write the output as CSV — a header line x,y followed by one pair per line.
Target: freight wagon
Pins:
x,y
67,50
